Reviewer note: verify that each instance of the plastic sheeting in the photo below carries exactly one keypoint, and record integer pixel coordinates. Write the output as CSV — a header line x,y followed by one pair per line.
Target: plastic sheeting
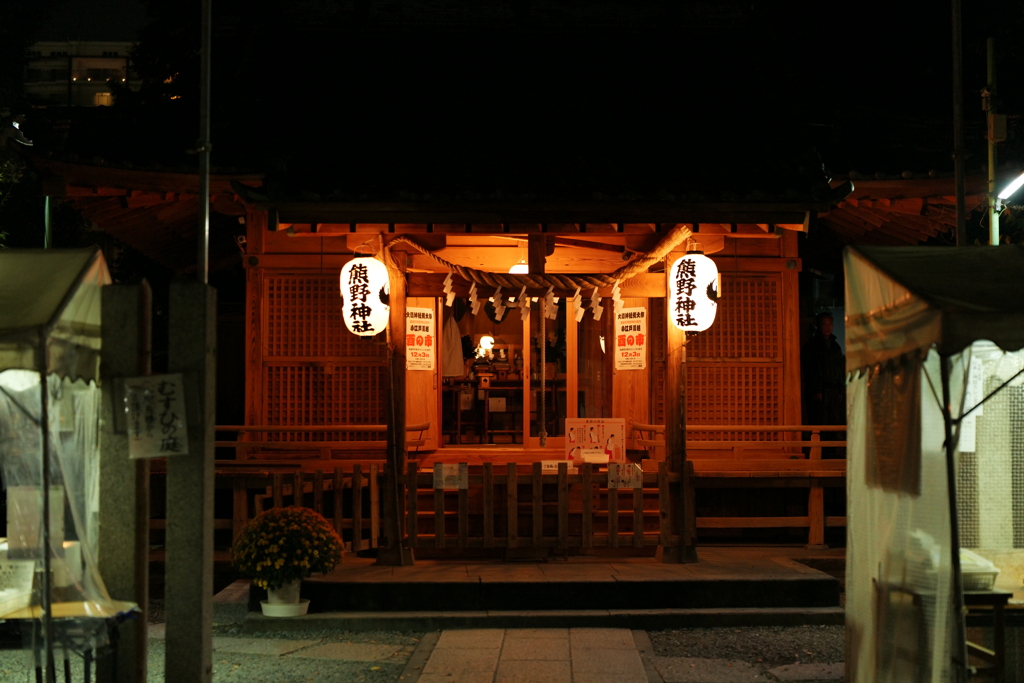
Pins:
x,y
50,309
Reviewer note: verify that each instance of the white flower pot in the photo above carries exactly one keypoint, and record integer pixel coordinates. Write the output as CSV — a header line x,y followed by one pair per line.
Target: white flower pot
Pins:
x,y
284,601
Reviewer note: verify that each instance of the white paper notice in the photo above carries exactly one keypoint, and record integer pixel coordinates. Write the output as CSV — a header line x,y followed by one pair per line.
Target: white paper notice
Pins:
x,y
631,339
419,339
157,426
451,476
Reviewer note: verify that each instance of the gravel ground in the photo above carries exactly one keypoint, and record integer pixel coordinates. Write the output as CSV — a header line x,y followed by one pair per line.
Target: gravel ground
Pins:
x,y
769,646
15,667
267,669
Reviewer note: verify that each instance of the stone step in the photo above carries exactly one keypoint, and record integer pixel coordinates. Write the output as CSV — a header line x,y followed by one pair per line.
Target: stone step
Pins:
x,y
647,619
812,589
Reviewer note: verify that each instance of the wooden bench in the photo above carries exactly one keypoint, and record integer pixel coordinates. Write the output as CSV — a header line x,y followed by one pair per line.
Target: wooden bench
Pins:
x,y
773,473
757,463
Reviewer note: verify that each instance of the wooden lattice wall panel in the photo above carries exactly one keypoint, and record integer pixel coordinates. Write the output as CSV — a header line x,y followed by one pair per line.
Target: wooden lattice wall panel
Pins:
x,y
747,326
304,395
304,321
733,393
315,372
734,370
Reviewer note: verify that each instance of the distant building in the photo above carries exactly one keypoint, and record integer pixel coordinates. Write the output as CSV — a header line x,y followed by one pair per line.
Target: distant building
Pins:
x,y
76,73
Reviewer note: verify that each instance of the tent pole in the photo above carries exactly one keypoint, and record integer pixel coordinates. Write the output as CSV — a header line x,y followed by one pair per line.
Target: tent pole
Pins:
x,y
44,422
960,659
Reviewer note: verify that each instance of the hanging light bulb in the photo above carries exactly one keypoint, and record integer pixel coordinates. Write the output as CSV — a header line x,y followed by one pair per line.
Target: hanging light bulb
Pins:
x,y
520,268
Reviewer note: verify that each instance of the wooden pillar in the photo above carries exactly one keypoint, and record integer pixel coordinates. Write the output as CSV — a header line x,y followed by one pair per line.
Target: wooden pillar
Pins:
x,y
675,439
790,332
256,227
395,552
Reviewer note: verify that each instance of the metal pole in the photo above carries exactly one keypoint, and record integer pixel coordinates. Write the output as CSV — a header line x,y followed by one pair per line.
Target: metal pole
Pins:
x,y
960,658
46,223
958,128
203,264
47,607
990,107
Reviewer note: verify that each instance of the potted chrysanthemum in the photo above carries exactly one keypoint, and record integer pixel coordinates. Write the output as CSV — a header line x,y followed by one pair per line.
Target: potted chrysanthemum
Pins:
x,y
279,548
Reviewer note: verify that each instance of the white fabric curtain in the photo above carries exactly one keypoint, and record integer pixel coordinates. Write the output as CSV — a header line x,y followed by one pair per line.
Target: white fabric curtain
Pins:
x,y
899,599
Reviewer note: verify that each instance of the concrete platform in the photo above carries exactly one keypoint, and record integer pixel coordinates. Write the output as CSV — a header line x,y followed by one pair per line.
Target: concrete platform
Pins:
x,y
729,586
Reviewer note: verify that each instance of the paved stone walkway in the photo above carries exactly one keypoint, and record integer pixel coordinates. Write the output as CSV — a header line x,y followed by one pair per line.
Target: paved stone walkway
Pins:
x,y
578,655
567,655
588,655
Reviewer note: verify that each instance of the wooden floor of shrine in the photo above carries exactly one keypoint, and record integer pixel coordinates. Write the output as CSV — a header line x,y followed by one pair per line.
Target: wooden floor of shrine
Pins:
x,y
724,578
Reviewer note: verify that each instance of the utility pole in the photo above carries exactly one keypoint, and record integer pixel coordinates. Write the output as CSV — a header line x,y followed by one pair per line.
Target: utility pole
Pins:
x,y
958,127
996,133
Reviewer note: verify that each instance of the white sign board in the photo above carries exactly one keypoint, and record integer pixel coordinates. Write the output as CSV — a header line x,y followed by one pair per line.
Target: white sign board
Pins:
x,y
551,467
451,476
631,339
157,426
625,475
586,438
420,341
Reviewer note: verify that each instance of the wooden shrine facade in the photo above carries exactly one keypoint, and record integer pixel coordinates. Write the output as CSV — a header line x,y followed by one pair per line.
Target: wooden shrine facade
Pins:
x,y
304,368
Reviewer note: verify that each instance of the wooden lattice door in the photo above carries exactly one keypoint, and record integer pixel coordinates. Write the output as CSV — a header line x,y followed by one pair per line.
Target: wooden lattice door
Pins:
x,y
314,371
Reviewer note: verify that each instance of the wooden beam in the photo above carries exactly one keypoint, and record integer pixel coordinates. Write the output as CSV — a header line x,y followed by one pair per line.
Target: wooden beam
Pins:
x,y
560,217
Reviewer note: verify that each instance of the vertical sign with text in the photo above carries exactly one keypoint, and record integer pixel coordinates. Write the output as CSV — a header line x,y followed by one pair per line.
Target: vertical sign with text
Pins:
x,y
419,339
155,407
631,339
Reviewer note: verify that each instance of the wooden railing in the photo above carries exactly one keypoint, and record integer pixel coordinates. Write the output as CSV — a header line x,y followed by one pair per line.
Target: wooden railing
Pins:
x,y
760,464
248,448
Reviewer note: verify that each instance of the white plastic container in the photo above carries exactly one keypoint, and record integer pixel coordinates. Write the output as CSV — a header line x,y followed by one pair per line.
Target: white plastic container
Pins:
x,y
979,573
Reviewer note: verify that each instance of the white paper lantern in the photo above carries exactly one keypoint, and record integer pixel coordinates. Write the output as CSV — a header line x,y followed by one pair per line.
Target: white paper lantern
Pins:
x,y
365,289
693,292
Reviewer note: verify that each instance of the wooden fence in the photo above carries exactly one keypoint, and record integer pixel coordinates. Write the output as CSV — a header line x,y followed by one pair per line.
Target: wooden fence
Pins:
x,y
558,509
516,508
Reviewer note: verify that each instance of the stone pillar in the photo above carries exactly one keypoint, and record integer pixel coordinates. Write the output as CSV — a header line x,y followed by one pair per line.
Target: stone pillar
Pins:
x,y
123,543
188,591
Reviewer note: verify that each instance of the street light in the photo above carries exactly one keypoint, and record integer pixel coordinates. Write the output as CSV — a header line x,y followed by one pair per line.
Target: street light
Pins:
x,y
1012,187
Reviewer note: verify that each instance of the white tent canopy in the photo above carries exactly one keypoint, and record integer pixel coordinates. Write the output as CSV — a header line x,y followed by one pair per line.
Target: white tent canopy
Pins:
x,y
53,295
900,299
